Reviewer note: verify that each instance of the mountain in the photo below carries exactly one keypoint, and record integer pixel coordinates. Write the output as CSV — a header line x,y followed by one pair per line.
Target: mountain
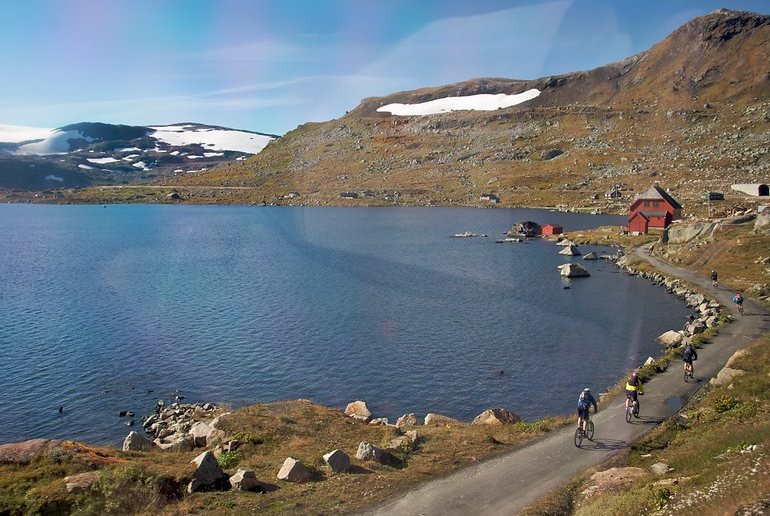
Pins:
x,y
89,153
690,113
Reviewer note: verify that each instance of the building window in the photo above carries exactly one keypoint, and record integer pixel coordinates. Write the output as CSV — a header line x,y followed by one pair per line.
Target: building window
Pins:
x,y
655,204
646,204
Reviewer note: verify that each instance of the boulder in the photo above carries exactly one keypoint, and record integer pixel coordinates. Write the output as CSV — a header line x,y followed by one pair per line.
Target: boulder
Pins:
x,y
338,461
368,451
726,376
181,444
245,480
208,475
564,241
135,441
670,338
432,419
199,433
573,270
81,483
403,442
293,470
591,256
737,356
762,222
612,479
379,421
407,421
570,250
496,416
649,361
696,327
683,233
358,410
660,468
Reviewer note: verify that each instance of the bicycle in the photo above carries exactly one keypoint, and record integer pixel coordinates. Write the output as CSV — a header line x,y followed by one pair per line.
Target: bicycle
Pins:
x,y
588,433
715,284
740,309
632,410
689,370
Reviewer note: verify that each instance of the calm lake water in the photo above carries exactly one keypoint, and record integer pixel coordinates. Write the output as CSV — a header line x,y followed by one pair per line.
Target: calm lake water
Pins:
x,y
110,308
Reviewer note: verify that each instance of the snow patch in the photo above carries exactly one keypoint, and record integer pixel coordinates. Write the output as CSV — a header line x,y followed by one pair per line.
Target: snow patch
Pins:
x,y
140,164
51,177
129,149
57,142
214,139
481,102
103,161
85,167
20,133
213,154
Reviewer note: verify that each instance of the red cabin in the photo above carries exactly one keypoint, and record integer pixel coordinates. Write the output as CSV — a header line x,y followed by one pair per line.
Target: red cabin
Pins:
x,y
654,208
552,229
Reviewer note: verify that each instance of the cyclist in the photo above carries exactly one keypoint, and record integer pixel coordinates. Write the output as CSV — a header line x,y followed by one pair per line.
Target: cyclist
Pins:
x,y
688,355
738,300
585,400
714,279
634,386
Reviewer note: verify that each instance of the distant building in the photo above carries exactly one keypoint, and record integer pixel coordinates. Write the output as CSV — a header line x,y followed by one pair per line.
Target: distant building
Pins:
x,y
525,228
613,193
552,229
755,189
489,197
714,196
291,195
349,195
654,208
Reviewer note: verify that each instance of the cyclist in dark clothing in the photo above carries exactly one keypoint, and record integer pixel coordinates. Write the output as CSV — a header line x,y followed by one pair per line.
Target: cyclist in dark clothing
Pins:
x,y
585,400
714,279
688,355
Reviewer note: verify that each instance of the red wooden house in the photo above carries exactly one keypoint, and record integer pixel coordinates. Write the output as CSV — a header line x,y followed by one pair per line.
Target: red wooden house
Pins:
x,y
552,229
654,208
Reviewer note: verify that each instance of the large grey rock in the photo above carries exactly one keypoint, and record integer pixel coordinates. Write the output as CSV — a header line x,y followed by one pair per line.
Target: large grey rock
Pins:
x,y
403,442
200,432
762,222
80,483
208,475
432,419
591,256
573,270
670,338
181,444
726,376
245,480
135,441
338,461
570,250
358,410
368,451
737,356
660,468
407,421
496,416
293,470
683,233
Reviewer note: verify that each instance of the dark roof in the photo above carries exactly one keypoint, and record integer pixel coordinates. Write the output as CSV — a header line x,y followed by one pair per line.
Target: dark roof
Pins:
x,y
656,193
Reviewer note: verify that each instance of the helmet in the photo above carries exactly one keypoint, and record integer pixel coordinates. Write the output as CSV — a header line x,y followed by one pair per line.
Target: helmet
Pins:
x,y
586,390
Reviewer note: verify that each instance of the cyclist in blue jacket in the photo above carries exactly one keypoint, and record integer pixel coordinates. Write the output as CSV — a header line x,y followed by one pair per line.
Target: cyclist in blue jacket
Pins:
x,y
585,400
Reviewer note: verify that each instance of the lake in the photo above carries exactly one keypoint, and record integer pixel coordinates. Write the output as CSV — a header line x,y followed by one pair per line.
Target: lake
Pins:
x,y
110,308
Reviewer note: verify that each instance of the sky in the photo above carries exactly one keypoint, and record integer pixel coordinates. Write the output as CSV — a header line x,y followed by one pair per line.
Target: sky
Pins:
x,y
271,65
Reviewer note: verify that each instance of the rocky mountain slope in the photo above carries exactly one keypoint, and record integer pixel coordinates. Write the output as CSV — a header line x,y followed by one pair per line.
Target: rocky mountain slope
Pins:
x,y
94,153
690,113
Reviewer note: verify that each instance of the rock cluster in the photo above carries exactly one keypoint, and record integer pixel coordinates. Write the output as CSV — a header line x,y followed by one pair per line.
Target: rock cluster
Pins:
x,y
180,427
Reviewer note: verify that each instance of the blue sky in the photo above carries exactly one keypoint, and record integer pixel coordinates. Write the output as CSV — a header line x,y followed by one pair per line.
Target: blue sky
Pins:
x,y
269,66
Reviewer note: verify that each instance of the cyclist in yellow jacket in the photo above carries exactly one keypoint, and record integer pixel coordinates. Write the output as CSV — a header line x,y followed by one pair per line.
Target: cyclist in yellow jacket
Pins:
x,y
634,386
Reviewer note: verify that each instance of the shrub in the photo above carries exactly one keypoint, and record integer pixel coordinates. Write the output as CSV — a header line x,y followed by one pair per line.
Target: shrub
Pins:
x,y
228,459
128,489
725,402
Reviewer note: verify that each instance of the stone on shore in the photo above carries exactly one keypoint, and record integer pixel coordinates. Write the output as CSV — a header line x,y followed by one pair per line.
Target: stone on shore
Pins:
x,y
570,250
180,445
245,480
135,441
200,433
208,475
358,410
496,416
293,470
670,338
432,419
407,421
338,461
591,256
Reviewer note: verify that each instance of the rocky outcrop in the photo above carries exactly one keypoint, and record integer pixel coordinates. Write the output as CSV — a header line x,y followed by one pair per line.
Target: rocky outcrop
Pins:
x,y
726,376
134,441
682,233
293,470
737,356
573,270
200,433
208,475
496,416
81,483
611,479
670,338
27,451
358,410
183,426
762,222
338,461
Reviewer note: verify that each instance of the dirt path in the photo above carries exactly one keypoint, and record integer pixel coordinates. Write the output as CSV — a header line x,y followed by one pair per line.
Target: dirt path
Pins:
x,y
508,484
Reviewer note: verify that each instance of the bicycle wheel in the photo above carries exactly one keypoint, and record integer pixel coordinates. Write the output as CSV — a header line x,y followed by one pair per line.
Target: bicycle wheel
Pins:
x,y
636,409
628,414
686,374
578,437
590,430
